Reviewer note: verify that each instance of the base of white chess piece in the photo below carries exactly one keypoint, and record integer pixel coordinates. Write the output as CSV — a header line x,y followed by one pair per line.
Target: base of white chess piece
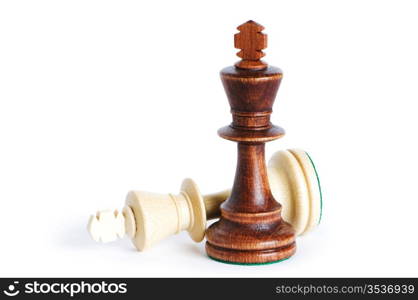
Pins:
x,y
150,217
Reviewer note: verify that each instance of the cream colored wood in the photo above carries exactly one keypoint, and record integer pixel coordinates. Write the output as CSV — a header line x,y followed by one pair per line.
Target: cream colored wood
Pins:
x,y
130,223
293,183
158,216
150,217
106,226
289,187
213,202
312,183
197,211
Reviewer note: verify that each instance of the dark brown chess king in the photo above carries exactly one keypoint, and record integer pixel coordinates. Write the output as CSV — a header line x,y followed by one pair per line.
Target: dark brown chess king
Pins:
x,y
251,229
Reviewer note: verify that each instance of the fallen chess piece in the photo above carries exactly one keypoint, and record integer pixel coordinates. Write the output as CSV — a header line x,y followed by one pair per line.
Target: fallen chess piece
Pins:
x,y
150,217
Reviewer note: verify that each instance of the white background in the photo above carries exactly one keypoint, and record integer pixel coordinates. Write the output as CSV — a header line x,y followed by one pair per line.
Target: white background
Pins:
x,y
101,97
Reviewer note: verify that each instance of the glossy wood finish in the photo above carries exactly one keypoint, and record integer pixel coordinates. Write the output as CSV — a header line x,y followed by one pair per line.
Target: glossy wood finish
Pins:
x,y
251,229
251,41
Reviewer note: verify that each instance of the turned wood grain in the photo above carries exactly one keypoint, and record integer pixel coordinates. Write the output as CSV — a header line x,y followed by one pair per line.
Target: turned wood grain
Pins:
x,y
251,229
251,41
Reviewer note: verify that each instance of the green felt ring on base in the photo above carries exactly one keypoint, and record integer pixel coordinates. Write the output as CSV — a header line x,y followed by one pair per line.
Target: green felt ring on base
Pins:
x,y
319,186
294,182
247,264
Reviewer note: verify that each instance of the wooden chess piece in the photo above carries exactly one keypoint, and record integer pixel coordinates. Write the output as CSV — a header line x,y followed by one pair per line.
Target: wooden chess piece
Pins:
x,y
150,217
251,229
294,180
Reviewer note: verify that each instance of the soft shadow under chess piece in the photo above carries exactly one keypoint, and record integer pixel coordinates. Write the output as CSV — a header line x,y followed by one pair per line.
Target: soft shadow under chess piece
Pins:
x,y
251,229
150,217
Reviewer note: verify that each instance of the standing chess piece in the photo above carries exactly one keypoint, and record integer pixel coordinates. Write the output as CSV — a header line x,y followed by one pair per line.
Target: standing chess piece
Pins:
x,y
148,218
251,229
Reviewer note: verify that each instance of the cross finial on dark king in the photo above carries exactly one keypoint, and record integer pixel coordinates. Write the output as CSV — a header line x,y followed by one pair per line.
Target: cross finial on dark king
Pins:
x,y
251,41
251,230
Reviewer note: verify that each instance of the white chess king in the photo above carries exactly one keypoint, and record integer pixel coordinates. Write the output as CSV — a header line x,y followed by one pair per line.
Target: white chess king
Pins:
x,y
150,217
